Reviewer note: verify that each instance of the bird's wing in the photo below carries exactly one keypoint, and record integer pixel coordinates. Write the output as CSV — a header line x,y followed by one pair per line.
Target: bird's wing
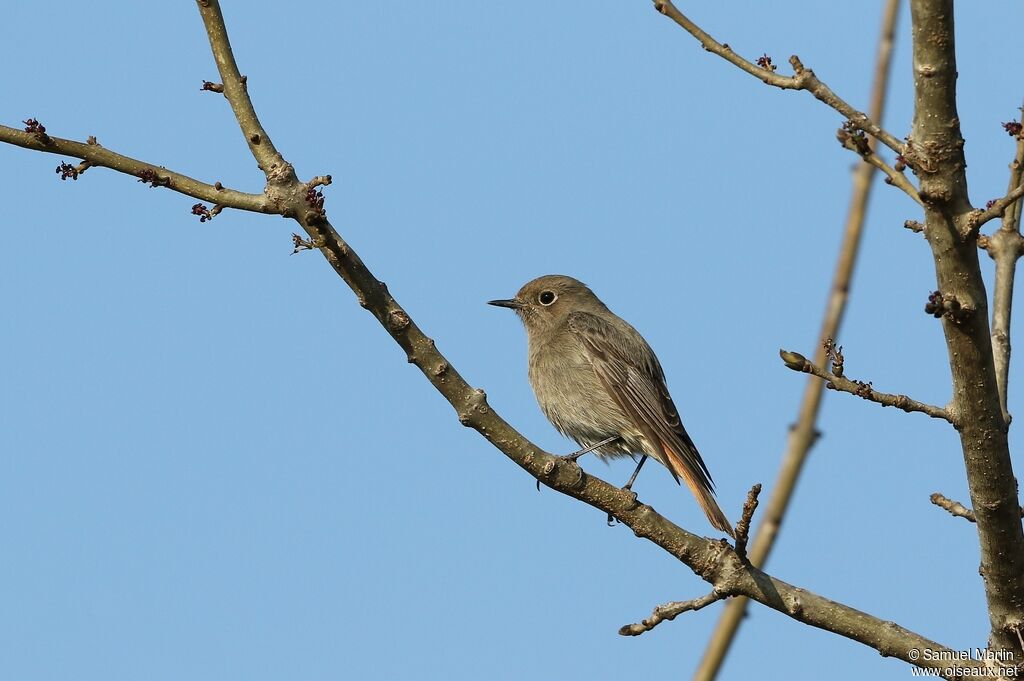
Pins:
x,y
630,372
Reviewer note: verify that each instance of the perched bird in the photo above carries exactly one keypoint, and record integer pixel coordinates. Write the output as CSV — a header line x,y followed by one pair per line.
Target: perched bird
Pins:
x,y
598,382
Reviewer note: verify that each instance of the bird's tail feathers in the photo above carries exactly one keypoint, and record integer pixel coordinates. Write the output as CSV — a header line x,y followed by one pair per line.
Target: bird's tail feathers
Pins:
x,y
705,497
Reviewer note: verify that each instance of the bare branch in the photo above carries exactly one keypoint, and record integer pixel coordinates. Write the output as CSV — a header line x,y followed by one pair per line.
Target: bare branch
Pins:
x,y
956,509
237,93
858,144
96,155
996,209
668,612
1005,247
803,78
798,362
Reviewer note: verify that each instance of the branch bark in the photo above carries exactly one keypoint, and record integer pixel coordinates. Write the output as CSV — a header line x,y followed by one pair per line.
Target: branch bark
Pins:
x,y
937,144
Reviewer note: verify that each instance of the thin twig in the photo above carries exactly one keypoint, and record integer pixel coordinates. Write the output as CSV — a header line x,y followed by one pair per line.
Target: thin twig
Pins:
x,y
95,155
1005,247
743,526
798,362
956,509
669,611
893,176
997,208
803,78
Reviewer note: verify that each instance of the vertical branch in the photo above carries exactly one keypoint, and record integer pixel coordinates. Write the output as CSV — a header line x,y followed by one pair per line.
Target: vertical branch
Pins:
x,y
1005,247
804,432
935,150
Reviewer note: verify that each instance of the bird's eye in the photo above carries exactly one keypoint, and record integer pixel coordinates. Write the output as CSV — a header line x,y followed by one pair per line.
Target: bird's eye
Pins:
x,y
546,298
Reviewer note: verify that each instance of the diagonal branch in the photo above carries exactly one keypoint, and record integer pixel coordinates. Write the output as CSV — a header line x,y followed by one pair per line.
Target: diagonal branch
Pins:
x,y
803,78
859,145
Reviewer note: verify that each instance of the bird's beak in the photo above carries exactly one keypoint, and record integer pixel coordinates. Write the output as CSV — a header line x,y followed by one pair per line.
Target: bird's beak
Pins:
x,y
510,303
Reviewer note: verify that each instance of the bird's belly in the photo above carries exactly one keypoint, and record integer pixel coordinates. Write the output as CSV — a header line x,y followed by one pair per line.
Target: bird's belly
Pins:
x,y
576,403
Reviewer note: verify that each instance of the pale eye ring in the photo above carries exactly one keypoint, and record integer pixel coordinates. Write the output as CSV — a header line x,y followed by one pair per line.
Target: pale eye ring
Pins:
x,y
546,298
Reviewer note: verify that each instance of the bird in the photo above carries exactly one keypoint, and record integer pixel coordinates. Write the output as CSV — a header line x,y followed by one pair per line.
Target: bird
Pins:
x,y
599,382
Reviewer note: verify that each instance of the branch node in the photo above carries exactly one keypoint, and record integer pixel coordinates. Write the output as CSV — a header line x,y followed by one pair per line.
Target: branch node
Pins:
x,y
947,305
398,320
150,177
209,86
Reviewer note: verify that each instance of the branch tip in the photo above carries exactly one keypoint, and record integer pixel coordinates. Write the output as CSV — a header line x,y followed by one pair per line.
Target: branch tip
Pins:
x,y
669,611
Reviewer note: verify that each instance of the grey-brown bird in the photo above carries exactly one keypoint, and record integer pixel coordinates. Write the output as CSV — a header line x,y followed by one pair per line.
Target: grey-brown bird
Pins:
x,y
598,382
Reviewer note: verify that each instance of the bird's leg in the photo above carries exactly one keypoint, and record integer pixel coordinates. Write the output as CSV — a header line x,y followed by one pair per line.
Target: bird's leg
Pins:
x,y
632,478
585,450
629,485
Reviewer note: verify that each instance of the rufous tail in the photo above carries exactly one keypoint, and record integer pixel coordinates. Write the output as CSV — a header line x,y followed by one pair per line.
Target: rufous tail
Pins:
x,y
704,496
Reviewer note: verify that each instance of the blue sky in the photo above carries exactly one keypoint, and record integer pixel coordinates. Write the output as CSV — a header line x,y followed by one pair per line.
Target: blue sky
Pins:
x,y
217,466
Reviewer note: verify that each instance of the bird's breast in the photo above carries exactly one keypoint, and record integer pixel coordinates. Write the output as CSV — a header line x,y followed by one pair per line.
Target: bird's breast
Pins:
x,y
572,397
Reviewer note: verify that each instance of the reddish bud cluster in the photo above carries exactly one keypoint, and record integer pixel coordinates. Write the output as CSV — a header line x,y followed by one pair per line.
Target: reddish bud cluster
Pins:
x,y
66,170
765,62
202,211
863,389
990,203
150,177
834,353
934,307
1013,128
901,163
854,138
315,198
36,128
